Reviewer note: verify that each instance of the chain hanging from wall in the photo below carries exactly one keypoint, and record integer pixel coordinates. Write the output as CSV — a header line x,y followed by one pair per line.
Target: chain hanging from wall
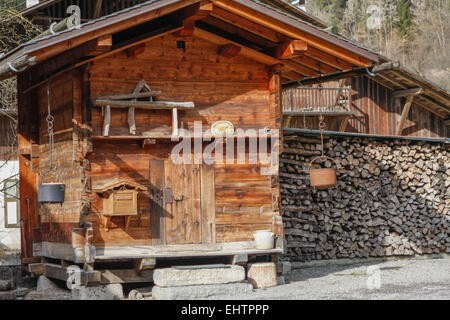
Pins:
x,y
322,178
51,192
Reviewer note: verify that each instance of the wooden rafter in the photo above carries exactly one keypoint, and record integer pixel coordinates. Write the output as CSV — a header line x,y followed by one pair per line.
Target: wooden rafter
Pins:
x,y
407,92
291,49
135,50
151,36
229,50
192,14
239,32
247,25
294,33
328,59
258,56
320,67
245,51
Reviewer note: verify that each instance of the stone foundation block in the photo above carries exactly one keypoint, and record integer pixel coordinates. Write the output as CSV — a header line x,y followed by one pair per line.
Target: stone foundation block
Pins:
x,y
5,285
200,292
103,292
262,275
202,275
44,284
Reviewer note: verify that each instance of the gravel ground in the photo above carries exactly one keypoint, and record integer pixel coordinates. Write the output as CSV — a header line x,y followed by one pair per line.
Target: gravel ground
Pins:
x,y
402,279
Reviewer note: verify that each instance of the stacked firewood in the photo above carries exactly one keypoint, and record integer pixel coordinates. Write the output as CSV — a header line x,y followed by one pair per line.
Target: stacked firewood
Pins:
x,y
392,198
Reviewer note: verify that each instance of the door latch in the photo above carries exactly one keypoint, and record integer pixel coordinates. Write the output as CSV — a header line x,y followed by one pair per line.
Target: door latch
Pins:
x,y
168,195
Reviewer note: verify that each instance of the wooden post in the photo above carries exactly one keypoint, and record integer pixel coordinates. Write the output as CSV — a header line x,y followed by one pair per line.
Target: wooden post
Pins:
x,y
107,121
344,124
175,122
405,113
131,121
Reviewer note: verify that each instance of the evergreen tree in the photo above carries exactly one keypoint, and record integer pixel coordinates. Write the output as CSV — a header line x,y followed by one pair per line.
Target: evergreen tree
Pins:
x,y
404,23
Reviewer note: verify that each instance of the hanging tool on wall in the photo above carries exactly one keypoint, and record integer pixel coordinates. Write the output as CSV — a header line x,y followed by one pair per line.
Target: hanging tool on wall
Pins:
x,y
52,192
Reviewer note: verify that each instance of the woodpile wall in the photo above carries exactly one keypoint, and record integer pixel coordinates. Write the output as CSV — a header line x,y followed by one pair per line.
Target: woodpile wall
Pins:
x,y
392,198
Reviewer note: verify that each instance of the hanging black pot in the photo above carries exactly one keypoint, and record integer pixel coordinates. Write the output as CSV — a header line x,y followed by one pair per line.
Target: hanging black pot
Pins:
x,y
52,192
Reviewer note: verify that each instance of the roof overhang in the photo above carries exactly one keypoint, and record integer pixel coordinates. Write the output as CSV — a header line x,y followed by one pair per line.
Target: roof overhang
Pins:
x,y
350,54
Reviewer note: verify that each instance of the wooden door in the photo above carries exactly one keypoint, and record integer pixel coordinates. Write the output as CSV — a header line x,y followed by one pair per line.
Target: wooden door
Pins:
x,y
182,197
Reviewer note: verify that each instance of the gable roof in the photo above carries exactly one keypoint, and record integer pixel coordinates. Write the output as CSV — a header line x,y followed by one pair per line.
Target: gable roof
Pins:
x,y
260,13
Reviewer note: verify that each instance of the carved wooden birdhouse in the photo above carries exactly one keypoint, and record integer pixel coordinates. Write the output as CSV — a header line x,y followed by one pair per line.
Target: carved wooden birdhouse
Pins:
x,y
120,199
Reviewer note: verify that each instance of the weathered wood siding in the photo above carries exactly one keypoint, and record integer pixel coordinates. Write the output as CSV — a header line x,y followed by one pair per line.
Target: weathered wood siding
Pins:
x,y
378,112
58,220
233,89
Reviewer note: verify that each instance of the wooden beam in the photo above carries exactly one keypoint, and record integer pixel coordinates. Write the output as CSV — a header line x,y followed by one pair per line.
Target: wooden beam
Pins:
x,y
328,59
148,142
239,32
125,276
299,68
157,34
175,127
294,32
344,124
247,25
229,50
118,23
246,52
131,95
148,105
106,120
192,14
408,92
23,62
135,50
291,49
239,259
404,116
36,268
144,264
385,66
131,121
314,64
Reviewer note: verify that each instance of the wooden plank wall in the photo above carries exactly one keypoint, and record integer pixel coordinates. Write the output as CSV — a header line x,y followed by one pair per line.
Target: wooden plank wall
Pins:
x,y
377,112
57,221
113,161
233,89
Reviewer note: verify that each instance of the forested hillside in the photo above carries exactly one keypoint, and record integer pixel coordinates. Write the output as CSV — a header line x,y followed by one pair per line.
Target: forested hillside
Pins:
x,y
414,32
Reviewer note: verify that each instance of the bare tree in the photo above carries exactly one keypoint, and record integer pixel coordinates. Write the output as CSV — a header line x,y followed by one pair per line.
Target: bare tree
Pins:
x,y
14,30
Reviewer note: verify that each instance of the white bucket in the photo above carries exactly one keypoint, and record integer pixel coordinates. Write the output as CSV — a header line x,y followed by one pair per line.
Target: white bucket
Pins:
x,y
264,239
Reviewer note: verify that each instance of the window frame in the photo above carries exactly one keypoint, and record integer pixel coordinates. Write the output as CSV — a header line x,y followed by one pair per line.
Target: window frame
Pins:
x,y
7,199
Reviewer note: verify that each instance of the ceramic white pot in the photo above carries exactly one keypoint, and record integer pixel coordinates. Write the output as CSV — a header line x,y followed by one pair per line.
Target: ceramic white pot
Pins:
x,y
264,239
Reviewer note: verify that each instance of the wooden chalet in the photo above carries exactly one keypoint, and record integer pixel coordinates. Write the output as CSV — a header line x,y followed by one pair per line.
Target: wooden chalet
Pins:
x,y
120,88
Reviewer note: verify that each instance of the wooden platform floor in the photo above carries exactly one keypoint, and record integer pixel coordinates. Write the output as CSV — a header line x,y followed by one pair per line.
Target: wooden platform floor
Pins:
x,y
188,250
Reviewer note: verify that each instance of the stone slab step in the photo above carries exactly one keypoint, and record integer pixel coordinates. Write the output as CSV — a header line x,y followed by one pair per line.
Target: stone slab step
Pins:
x,y
176,277
202,292
6,285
